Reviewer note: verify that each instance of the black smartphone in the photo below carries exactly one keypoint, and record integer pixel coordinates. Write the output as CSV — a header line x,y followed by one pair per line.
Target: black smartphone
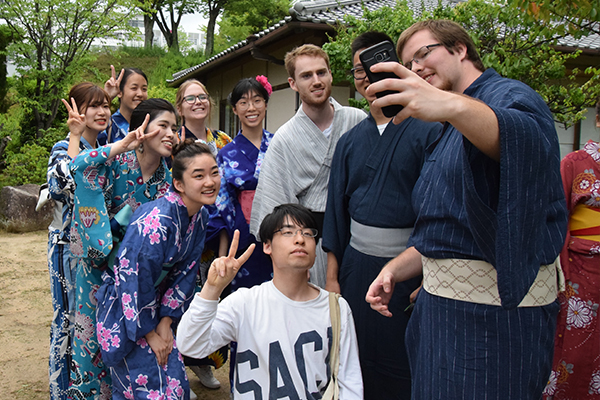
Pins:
x,y
381,52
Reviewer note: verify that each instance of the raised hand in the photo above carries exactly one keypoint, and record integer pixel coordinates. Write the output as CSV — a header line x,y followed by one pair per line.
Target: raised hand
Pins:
x,y
113,83
223,269
76,121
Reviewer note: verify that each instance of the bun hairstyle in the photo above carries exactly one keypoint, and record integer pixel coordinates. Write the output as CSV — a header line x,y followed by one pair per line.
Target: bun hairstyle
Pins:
x,y
154,107
87,94
247,85
183,152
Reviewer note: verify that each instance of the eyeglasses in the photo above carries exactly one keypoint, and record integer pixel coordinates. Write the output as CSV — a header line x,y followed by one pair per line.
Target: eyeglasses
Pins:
x,y
306,232
243,105
191,99
421,54
358,73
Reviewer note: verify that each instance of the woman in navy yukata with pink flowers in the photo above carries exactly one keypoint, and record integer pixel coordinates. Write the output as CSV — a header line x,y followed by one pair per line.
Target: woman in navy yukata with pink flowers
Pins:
x,y
153,280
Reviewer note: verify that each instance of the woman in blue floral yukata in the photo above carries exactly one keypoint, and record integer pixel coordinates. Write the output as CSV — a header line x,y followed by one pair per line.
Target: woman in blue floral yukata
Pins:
x,y
112,182
239,164
154,280
92,102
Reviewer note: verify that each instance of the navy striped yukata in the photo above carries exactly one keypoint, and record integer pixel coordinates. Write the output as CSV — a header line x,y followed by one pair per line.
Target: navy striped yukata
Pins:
x,y
511,214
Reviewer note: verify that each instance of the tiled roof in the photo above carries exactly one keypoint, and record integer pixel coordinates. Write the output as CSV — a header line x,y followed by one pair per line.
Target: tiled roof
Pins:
x,y
331,11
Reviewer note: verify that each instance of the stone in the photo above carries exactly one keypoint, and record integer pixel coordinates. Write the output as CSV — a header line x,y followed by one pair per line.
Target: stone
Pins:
x,y
17,209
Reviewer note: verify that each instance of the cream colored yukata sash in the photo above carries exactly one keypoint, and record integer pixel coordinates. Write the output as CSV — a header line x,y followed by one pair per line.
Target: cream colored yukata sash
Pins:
x,y
476,281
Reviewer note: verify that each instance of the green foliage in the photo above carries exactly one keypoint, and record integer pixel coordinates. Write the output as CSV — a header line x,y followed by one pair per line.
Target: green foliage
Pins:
x,y
51,46
27,166
515,44
242,18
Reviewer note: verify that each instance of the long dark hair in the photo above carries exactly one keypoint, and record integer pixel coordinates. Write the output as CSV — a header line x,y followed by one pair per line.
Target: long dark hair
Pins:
x,y
244,86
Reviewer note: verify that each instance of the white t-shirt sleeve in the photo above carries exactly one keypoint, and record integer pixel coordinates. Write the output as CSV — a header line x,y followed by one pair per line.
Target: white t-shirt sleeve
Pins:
x,y
349,376
205,327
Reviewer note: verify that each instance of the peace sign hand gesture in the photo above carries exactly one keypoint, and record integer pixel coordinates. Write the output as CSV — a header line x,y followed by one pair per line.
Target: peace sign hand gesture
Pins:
x,y
223,270
112,85
133,139
76,121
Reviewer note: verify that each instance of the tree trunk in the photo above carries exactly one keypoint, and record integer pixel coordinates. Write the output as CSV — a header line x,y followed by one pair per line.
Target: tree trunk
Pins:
x,y
210,32
148,31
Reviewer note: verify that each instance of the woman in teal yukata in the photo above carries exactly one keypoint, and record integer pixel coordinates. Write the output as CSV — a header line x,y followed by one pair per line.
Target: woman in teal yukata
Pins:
x,y
154,280
112,182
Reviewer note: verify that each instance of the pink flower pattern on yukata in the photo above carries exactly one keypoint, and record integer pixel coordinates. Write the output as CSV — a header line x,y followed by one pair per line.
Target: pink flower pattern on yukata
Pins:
x,y
170,300
149,225
174,198
107,337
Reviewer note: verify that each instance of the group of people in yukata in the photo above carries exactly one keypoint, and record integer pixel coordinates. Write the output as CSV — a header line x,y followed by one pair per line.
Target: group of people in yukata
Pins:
x,y
440,227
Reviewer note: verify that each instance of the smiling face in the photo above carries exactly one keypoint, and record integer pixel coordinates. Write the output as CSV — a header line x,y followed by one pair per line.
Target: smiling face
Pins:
x,y
200,182
199,109
134,91
250,109
441,69
97,116
312,80
162,144
296,252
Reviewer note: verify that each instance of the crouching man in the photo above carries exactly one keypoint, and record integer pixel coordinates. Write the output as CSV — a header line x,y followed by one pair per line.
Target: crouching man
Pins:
x,y
282,327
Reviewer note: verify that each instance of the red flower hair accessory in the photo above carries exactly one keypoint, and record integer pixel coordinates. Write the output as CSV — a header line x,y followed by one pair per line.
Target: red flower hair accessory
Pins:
x,y
265,82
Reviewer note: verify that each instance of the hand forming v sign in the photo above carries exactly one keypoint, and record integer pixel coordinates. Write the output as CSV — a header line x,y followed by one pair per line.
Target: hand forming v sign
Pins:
x,y
76,121
112,85
223,269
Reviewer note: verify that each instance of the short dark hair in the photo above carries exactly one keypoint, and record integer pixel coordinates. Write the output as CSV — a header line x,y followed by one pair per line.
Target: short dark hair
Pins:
x,y
244,86
368,39
274,221
183,152
446,32
154,107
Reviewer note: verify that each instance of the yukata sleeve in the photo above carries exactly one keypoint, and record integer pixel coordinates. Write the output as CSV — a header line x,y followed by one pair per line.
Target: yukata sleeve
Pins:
x,y
349,376
522,226
92,173
224,205
336,225
207,326
180,284
276,184
60,182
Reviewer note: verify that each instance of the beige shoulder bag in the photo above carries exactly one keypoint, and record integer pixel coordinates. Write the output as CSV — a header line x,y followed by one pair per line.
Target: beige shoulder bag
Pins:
x,y
332,392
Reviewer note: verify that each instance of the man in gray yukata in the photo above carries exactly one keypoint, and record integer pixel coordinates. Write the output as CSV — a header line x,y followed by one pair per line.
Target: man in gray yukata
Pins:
x,y
296,167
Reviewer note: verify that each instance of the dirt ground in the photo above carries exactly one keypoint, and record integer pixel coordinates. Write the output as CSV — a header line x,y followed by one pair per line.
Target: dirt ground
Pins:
x,y
25,316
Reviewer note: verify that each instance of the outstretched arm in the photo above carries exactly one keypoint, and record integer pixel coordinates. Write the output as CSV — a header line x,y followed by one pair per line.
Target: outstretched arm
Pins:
x,y
407,265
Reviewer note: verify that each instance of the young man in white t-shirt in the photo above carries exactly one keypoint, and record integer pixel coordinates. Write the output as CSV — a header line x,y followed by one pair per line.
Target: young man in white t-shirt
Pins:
x,y
282,327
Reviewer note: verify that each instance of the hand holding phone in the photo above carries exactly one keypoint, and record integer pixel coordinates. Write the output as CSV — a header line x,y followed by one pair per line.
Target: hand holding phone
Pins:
x,y
381,52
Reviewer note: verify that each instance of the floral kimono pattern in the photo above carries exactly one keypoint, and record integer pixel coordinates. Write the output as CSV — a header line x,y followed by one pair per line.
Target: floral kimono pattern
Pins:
x,y
576,367
239,164
104,187
61,266
154,277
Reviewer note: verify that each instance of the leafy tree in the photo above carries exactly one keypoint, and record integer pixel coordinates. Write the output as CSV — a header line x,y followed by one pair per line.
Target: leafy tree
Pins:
x,y
513,43
169,27
241,18
211,9
576,17
52,41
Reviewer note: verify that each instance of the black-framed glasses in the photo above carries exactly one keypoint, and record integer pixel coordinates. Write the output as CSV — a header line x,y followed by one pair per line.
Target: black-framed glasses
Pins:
x,y
421,54
290,232
244,104
358,73
191,99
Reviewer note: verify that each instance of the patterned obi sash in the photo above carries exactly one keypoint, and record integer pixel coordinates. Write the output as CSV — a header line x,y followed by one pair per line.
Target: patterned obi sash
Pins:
x,y
246,197
476,281
584,222
378,242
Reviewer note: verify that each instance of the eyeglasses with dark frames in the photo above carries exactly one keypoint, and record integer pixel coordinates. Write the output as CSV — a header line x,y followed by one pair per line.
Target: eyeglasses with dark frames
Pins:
x,y
290,232
421,54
